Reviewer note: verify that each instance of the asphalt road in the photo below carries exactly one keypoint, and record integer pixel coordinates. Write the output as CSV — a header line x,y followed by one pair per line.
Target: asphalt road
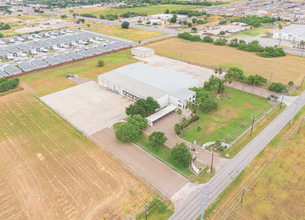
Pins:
x,y
192,208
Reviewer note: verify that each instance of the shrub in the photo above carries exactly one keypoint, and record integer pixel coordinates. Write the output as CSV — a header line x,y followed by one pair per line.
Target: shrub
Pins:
x,y
182,154
220,41
208,39
125,25
277,87
100,63
7,84
188,36
88,15
177,128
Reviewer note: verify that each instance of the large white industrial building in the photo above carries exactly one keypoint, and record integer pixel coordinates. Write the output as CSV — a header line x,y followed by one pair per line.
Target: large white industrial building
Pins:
x,y
140,80
291,33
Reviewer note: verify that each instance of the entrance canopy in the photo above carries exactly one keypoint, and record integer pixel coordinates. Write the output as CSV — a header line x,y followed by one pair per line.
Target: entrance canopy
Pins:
x,y
151,119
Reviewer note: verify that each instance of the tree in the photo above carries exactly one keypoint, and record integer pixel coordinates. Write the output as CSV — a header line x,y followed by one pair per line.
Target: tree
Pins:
x,y
234,73
208,39
194,20
88,25
143,107
184,123
189,25
157,139
291,83
194,29
100,63
1,35
222,33
177,128
198,129
128,133
125,25
182,154
63,16
255,80
174,19
280,26
166,11
220,71
179,112
277,87
138,121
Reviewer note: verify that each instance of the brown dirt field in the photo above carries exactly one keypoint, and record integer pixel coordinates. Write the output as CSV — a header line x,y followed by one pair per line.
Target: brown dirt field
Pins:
x,y
285,68
48,170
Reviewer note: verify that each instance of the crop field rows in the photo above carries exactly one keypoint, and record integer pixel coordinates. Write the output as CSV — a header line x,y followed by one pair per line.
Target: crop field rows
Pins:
x,y
49,170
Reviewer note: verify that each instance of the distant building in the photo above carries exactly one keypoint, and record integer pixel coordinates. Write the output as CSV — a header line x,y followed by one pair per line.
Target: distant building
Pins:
x,y
142,52
291,33
210,27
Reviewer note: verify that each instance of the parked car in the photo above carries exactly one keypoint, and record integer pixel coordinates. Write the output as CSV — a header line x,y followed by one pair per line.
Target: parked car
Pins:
x,y
34,52
274,96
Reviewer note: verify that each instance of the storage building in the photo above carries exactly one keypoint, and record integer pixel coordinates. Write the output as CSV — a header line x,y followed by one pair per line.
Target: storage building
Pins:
x,y
142,52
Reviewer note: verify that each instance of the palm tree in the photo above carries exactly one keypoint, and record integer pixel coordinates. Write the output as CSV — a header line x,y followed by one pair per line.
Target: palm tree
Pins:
x,y
302,44
216,71
220,72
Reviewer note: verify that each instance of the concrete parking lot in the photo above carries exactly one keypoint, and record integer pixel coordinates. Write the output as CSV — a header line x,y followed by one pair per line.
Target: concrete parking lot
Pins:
x,y
89,107
154,171
202,74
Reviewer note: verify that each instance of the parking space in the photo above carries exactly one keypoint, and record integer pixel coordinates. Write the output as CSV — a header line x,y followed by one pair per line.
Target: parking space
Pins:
x,y
89,107
202,74
154,171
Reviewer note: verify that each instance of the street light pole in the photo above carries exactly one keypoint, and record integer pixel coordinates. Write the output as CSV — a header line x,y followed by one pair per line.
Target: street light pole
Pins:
x,y
211,170
242,196
301,125
282,100
252,125
271,76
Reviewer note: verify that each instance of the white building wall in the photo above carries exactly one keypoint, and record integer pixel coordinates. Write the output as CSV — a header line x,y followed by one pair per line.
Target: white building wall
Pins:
x,y
287,36
163,101
139,53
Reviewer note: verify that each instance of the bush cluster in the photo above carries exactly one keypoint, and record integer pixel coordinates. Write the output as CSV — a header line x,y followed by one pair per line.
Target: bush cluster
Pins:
x,y
88,15
178,127
7,84
277,87
132,14
254,20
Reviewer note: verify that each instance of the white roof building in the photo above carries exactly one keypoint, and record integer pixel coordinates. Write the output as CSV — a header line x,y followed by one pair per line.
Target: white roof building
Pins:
x,y
141,81
291,33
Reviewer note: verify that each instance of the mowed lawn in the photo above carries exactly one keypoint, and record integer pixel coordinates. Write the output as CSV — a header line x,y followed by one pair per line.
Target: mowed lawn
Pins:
x,y
276,192
216,125
285,68
150,10
53,80
129,34
49,170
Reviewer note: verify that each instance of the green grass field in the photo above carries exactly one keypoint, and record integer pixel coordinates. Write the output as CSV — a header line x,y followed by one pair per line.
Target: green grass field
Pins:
x,y
275,192
129,34
150,10
52,80
56,169
216,125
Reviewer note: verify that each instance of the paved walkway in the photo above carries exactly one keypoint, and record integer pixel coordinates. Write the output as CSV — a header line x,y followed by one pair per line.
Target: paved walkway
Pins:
x,y
154,171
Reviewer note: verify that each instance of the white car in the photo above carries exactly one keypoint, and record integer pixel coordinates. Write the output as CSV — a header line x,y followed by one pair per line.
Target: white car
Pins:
x,y
44,50
10,57
34,52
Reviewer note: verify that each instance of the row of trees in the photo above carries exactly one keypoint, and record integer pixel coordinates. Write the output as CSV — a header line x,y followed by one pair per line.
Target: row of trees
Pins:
x,y
239,44
7,84
143,107
254,20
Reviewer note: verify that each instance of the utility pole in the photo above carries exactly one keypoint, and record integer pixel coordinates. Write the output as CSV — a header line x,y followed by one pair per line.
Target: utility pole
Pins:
x,y
252,125
282,100
301,125
302,82
204,200
145,207
242,196
211,169
271,76
180,55
280,35
295,110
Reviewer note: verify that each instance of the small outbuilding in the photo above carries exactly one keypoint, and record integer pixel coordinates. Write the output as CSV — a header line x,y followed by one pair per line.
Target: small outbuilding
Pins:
x,y
142,52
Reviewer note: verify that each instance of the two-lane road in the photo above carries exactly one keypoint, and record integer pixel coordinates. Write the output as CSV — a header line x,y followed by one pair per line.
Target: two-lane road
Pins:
x,y
191,209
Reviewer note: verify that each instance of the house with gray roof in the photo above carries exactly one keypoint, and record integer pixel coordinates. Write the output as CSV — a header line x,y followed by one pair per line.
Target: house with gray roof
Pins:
x,y
51,60
11,69
38,63
26,66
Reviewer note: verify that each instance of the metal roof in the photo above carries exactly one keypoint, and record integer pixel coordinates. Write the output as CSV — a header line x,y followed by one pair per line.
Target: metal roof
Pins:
x,y
39,63
161,113
11,69
52,60
63,58
143,49
26,66
86,53
74,56
2,73
183,93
